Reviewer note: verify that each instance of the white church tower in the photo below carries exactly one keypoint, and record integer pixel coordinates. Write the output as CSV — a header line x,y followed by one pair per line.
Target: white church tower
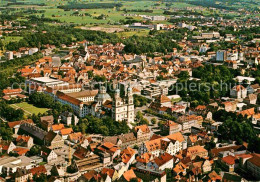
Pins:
x,y
123,110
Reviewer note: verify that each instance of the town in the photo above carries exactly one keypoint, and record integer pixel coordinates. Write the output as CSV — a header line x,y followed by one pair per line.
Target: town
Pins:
x,y
170,94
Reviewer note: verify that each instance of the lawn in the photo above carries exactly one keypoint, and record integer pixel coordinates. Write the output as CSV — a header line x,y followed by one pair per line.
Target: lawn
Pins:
x,y
29,108
8,39
131,33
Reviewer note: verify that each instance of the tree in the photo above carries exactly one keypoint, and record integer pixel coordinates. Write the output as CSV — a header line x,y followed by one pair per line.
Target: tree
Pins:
x,y
41,178
139,115
35,150
184,75
153,120
6,132
90,74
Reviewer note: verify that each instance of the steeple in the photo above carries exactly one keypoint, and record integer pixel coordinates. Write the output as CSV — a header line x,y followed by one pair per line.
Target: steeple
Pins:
x,y
129,95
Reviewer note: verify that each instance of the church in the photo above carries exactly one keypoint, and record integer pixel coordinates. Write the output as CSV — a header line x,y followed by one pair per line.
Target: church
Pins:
x,y
120,109
123,109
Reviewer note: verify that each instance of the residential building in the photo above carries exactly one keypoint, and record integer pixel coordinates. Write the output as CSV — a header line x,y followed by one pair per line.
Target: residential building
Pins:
x,y
48,155
46,122
238,92
188,121
24,141
195,151
171,144
53,140
253,165
171,127
164,161
22,175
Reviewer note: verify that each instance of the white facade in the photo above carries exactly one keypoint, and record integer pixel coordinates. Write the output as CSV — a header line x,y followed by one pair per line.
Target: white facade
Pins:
x,y
123,110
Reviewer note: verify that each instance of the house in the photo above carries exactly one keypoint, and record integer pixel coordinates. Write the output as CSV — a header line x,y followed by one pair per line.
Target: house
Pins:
x,y
207,166
142,133
128,155
107,174
195,151
164,101
123,141
213,176
238,92
256,118
251,99
65,132
24,141
46,122
248,112
230,106
20,151
6,147
37,133
15,125
10,165
216,152
48,155
192,140
22,175
13,93
180,168
108,148
253,88
53,140
88,163
188,121
171,127
144,158
164,161
170,144
229,162
253,165
56,128
38,170
75,137
69,119
129,176
89,176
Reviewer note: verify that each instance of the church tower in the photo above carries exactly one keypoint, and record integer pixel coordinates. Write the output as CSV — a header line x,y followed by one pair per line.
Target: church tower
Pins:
x,y
87,53
130,105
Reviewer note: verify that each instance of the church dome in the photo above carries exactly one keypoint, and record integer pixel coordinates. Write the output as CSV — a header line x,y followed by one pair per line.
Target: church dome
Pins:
x,y
102,96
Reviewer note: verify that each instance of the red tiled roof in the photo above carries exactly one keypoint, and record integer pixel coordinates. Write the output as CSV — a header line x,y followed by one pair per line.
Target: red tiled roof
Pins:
x,y
12,91
143,128
164,158
38,170
66,131
128,175
22,137
57,127
248,112
15,123
230,160
20,151
255,159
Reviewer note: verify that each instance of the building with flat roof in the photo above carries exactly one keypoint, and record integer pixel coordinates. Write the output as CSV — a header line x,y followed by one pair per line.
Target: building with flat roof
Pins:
x,y
34,83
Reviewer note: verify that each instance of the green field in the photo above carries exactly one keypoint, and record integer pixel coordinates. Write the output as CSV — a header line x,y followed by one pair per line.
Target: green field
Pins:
x,y
8,39
29,108
112,14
